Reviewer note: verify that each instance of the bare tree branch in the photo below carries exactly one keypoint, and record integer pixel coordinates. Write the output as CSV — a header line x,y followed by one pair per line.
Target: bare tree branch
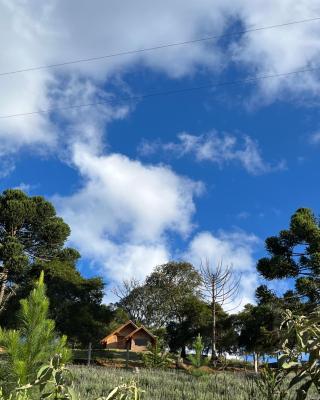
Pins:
x,y
220,286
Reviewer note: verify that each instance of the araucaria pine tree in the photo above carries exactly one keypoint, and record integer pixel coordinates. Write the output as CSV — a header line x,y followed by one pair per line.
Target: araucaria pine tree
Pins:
x,y
35,342
197,359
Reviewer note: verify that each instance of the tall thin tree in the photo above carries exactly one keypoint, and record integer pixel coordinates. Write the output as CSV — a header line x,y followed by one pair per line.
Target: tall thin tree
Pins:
x,y
220,287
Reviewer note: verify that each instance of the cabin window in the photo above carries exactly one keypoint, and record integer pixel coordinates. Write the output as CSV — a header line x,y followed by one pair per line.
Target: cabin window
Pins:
x,y
141,342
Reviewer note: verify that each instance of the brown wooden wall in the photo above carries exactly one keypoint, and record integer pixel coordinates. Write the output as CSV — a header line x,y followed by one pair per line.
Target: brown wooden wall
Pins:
x,y
140,341
112,342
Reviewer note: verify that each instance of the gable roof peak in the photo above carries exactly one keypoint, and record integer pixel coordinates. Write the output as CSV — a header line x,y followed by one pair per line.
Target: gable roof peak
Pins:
x,y
139,329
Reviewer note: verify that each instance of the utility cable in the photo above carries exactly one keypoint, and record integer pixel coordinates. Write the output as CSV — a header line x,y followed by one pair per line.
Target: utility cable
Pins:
x,y
165,93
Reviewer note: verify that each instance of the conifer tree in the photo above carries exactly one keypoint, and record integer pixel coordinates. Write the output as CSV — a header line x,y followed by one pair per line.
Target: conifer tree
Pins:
x,y
35,342
197,359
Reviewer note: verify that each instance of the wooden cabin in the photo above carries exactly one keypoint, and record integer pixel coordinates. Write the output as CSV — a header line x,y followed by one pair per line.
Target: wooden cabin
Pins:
x,y
129,336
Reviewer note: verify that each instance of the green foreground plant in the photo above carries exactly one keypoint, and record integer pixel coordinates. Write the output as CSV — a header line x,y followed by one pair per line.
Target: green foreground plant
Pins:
x,y
55,382
127,391
34,343
302,336
156,356
271,384
197,360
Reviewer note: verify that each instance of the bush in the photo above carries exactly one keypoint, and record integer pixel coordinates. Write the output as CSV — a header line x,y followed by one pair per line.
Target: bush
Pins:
x,y
197,360
302,336
156,357
55,381
34,343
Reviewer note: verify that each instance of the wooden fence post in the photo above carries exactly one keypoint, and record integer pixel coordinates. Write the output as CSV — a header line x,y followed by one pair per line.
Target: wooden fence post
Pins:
x,y
89,353
127,358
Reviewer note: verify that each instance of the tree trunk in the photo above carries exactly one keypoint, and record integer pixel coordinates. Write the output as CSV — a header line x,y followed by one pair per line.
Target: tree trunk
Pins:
x,y
3,282
183,352
213,334
256,362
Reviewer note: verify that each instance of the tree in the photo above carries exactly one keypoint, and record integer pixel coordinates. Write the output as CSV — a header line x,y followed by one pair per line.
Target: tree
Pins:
x,y
161,298
29,230
197,359
35,342
170,286
168,299
295,253
36,245
220,286
194,320
134,300
258,328
75,302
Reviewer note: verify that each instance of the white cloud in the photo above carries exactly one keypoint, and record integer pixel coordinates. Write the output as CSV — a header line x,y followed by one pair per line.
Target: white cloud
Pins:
x,y
35,34
217,148
124,212
314,138
280,50
234,249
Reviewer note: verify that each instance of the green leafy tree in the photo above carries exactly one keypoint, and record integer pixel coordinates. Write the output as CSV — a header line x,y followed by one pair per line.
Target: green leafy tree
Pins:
x,y
170,286
295,253
32,240
162,297
168,299
258,328
75,302
194,318
29,230
35,342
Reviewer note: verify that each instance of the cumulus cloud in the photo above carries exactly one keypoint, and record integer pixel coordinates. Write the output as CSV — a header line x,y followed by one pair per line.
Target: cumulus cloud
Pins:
x,y
280,50
124,212
234,249
34,34
217,148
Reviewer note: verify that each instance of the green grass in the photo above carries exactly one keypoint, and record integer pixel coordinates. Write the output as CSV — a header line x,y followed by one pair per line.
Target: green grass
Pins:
x,y
93,382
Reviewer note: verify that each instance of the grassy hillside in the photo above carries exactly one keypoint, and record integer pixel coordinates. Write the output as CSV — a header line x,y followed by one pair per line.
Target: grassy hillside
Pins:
x,y
93,382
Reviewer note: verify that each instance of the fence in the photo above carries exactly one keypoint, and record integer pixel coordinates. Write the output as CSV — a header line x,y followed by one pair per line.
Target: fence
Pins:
x,y
91,355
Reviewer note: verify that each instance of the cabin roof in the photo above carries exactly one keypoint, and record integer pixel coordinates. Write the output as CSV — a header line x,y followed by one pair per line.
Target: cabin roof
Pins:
x,y
141,328
120,329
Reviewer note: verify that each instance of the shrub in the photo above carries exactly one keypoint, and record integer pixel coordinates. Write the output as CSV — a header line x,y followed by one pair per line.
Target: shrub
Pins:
x,y
302,336
197,360
55,381
271,384
156,357
34,343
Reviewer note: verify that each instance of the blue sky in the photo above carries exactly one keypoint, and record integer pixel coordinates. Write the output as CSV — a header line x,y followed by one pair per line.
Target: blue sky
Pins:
x,y
209,173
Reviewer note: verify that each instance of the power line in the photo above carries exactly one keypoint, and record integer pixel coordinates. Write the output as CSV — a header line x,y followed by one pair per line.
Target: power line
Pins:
x,y
162,46
165,93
